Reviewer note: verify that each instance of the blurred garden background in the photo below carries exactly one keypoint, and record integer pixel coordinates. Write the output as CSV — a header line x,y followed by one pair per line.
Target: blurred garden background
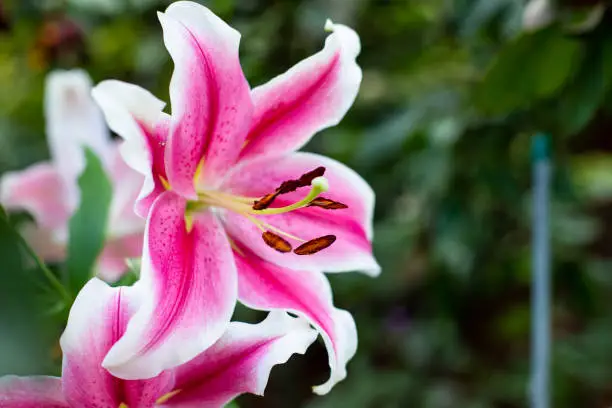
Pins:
x,y
452,94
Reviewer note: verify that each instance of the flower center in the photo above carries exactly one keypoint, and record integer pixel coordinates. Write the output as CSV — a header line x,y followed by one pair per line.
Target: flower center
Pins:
x,y
252,208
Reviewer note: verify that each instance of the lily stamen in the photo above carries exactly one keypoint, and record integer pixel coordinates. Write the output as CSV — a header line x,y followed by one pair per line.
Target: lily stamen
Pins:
x,y
276,242
264,226
327,204
289,186
272,236
221,196
315,245
319,185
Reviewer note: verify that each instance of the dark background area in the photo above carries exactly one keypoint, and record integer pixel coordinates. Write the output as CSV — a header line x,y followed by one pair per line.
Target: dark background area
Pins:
x,y
452,94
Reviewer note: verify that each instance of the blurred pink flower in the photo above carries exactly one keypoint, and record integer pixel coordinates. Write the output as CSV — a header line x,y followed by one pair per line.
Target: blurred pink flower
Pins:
x,y
49,190
223,194
239,362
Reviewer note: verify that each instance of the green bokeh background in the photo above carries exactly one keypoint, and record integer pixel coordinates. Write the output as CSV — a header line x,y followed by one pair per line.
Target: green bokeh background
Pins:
x,y
452,94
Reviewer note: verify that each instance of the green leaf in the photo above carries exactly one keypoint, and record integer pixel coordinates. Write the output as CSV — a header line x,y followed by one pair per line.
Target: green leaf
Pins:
x,y
88,225
27,332
583,95
533,67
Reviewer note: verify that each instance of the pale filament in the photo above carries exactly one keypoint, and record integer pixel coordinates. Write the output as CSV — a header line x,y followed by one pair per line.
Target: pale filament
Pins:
x,y
231,197
244,205
319,185
264,226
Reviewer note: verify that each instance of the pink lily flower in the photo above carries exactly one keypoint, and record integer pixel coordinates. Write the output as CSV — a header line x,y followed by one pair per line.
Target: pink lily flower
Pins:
x,y
239,362
233,212
49,190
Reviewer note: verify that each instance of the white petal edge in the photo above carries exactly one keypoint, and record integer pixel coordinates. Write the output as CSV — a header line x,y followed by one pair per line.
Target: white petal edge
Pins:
x,y
122,104
295,336
73,122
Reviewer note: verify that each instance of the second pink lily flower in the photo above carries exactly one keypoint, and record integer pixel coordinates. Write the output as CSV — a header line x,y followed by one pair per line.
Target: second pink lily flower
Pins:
x,y
233,211
49,190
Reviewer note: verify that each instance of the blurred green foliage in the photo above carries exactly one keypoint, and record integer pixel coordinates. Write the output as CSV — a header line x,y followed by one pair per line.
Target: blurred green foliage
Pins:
x,y
451,95
88,225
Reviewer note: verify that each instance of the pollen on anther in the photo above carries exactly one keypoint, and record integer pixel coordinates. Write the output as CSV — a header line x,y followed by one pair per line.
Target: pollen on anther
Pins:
x,y
288,186
307,178
327,204
315,245
304,181
276,242
264,202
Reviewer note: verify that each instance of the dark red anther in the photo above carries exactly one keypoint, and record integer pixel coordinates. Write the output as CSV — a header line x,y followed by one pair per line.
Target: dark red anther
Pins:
x,y
288,186
327,204
276,242
315,245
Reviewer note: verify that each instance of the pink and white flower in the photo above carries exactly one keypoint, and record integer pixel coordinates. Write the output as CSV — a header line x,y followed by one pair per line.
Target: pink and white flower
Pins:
x,y
49,190
223,194
239,362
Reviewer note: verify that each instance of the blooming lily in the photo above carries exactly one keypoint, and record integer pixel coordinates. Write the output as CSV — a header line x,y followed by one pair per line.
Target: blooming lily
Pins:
x,y
49,190
232,210
239,362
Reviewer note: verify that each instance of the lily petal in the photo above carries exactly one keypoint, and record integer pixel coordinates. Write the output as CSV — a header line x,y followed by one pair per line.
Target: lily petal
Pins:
x,y
240,361
127,184
111,263
311,96
135,115
31,392
97,320
265,286
48,244
126,228
352,226
39,189
211,105
73,121
190,280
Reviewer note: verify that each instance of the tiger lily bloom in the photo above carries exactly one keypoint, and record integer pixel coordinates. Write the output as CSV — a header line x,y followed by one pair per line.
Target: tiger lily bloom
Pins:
x,y
49,190
233,211
239,362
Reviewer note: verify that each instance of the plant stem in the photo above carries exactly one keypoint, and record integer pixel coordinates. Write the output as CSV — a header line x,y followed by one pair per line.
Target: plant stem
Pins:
x,y
540,292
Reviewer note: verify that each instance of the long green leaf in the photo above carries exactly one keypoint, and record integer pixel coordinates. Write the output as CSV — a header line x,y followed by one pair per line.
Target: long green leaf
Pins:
x,y
88,224
27,330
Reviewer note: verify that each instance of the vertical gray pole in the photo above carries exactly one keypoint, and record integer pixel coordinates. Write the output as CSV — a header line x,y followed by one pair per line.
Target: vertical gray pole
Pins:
x,y
540,291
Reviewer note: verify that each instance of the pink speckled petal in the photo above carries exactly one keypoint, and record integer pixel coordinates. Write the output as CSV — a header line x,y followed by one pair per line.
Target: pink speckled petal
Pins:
x,y
31,392
211,105
135,115
240,361
352,226
190,281
311,96
97,320
265,286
